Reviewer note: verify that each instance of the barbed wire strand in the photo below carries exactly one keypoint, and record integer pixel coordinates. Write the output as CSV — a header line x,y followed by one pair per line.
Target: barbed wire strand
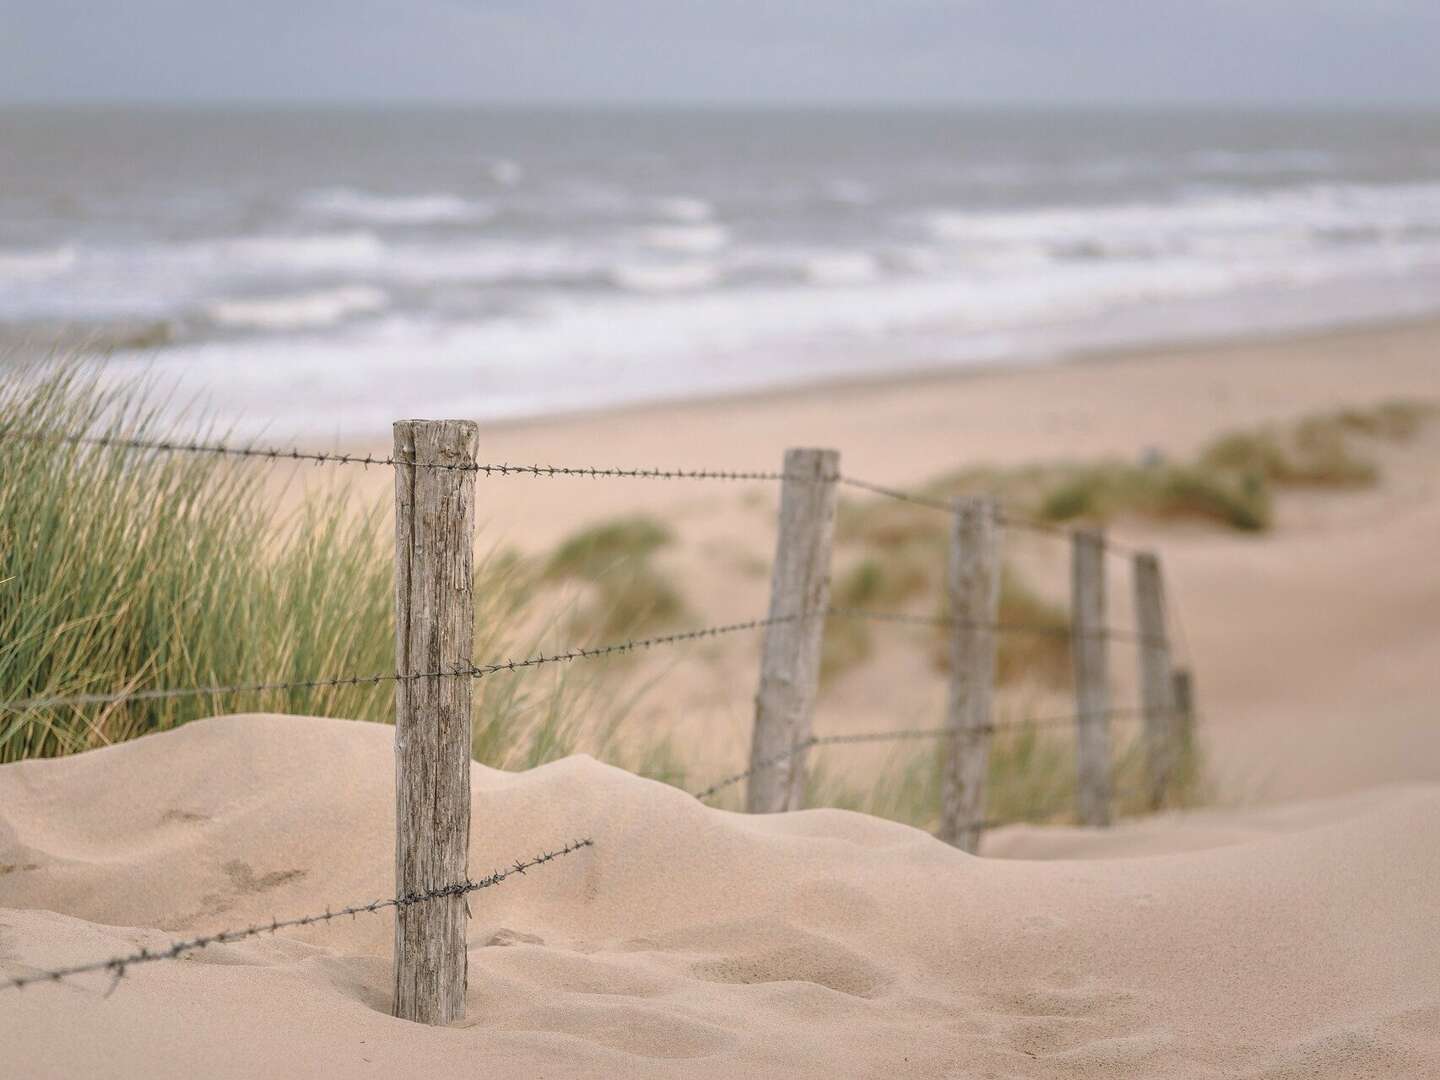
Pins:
x,y
118,966
320,457
803,745
196,446
1003,516
467,671
483,670
1040,629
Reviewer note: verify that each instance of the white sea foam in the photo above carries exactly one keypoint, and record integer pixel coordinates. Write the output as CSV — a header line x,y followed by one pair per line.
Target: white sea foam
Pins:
x,y
1293,218
21,265
684,208
699,239
312,252
348,204
302,311
666,277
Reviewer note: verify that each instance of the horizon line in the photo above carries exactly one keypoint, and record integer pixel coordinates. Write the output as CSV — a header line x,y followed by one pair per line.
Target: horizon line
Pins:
x,y
723,105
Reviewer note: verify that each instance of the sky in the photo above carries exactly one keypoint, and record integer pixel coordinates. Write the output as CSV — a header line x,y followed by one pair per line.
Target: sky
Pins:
x,y
1250,52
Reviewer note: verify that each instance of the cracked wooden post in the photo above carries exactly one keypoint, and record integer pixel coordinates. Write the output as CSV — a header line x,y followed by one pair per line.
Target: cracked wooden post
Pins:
x,y
1157,704
790,651
1090,649
975,605
434,631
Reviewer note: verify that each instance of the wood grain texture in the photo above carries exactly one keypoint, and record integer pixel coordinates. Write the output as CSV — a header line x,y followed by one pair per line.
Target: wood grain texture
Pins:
x,y
434,631
974,585
1090,648
790,652
1156,684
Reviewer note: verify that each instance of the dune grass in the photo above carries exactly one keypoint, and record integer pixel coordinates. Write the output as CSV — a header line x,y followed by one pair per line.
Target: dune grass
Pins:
x,y
135,570
1031,778
627,594
902,561
1232,481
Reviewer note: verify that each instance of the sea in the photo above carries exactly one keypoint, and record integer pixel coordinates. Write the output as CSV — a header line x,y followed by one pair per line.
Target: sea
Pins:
x,y
323,271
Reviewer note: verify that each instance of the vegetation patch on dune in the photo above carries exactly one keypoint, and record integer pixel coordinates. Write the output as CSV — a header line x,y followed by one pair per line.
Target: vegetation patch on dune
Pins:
x,y
1232,480
1031,778
897,556
627,594
129,569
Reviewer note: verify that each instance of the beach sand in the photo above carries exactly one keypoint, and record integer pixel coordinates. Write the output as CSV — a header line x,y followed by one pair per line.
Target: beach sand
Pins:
x,y
1288,931
699,943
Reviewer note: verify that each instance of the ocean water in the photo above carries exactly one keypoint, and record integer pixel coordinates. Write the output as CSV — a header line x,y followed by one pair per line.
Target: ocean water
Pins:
x,y
325,271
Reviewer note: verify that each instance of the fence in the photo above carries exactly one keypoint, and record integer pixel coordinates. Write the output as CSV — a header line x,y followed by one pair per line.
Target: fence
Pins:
x,y
436,470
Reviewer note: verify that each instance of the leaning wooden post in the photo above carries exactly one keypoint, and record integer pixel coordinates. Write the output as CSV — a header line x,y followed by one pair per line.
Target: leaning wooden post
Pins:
x,y
1089,646
790,651
1156,690
975,606
434,630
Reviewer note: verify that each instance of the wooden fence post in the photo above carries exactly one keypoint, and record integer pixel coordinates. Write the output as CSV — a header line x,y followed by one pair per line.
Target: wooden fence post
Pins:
x,y
1156,686
434,631
790,652
1090,648
1183,701
975,605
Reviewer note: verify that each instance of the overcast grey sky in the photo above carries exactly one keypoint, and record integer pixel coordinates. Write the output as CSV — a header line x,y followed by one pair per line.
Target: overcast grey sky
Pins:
x,y
1031,51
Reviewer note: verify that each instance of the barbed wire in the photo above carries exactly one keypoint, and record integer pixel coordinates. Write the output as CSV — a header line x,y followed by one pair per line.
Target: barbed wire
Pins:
x,y
813,741
942,505
1003,516
320,457
1040,629
195,446
539,659
464,671
117,966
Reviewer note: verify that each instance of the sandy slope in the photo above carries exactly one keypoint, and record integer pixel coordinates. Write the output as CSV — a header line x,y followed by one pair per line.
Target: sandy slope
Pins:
x,y
694,942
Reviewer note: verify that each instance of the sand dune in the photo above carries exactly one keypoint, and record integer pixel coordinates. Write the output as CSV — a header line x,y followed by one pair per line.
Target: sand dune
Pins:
x,y
694,942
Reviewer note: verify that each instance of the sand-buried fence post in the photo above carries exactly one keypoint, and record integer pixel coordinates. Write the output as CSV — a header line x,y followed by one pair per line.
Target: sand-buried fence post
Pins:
x,y
790,651
1089,646
975,605
434,632
1156,684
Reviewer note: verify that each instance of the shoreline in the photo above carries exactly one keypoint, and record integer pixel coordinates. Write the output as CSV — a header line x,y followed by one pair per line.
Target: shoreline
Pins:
x,y
940,374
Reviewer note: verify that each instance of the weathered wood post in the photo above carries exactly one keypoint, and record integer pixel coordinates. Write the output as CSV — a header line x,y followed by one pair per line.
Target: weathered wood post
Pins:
x,y
975,605
790,651
1156,687
1090,648
1182,696
434,630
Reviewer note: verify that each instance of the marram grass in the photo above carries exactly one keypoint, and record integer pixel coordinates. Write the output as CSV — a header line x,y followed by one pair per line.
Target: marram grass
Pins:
x,y
125,569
